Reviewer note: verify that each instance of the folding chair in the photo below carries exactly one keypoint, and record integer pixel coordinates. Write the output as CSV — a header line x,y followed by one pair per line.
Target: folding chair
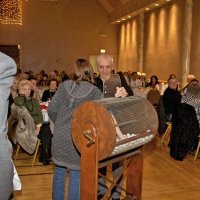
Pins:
x,y
35,153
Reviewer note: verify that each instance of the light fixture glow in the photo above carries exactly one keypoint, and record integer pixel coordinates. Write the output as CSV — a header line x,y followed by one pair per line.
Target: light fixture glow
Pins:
x,y
129,16
156,4
146,8
123,19
102,51
11,12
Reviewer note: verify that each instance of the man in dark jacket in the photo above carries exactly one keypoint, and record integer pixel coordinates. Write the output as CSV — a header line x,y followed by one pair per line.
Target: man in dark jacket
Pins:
x,y
117,83
171,98
106,78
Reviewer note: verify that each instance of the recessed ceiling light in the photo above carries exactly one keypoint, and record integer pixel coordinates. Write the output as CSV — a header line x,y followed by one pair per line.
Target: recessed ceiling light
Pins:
x,y
168,0
118,21
123,19
156,4
146,8
129,16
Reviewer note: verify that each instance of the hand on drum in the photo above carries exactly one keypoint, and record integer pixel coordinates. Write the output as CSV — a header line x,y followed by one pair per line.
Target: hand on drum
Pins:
x,y
121,92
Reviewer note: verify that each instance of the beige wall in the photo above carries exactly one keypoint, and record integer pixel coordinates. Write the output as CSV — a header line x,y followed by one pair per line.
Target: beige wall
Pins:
x,y
163,39
128,46
163,35
195,46
53,35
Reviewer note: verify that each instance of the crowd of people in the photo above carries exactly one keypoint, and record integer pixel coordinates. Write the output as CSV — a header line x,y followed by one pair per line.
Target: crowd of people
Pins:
x,y
64,93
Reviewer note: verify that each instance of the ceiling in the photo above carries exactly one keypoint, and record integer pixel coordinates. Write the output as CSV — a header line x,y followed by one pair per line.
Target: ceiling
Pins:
x,y
118,9
111,5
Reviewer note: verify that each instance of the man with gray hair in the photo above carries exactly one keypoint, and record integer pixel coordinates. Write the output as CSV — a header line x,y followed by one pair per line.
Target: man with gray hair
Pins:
x,y
7,70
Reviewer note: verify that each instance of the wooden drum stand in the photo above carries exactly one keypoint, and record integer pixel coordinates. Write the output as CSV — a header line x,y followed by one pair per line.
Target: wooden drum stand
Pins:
x,y
94,135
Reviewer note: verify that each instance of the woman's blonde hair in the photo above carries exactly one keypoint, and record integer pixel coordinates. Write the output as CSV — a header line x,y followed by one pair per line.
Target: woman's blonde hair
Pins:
x,y
23,83
83,71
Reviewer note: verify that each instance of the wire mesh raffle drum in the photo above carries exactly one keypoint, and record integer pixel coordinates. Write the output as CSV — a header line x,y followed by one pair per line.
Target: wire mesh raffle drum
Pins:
x,y
119,124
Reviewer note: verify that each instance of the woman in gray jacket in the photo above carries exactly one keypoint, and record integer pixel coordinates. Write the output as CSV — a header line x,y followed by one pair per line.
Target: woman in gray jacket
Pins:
x,y
64,154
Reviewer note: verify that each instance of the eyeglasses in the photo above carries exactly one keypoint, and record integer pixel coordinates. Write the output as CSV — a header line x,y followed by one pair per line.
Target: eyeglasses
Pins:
x,y
104,66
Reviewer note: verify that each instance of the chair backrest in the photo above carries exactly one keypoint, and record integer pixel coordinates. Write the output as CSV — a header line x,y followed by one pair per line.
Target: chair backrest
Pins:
x,y
153,96
161,116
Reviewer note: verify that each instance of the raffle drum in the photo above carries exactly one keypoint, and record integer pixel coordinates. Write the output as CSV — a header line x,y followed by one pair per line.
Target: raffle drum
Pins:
x,y
112,130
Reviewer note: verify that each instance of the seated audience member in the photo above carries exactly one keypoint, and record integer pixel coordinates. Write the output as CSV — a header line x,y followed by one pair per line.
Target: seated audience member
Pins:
x,y
24,76
35,90
64,76
153,81
126,77
143,79
190,77
52,75
172,76
192,97
171,98
105,66
26,119
135,82
30,75
31,104
13,94
48,94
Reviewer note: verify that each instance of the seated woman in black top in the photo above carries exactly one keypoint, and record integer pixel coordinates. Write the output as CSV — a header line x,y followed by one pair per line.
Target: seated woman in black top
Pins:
x,y
171,98
105,67
48,94
153,81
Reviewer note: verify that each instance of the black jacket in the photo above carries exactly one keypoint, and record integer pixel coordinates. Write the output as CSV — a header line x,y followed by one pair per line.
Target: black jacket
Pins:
x,y
171,99
185,131
99,84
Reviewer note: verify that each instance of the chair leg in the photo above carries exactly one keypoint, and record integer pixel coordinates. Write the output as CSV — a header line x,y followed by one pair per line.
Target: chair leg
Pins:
x,y
167,132
17,152
36,151
197,151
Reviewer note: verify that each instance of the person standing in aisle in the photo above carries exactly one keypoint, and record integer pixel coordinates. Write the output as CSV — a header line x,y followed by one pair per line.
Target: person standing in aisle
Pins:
x,y
7,72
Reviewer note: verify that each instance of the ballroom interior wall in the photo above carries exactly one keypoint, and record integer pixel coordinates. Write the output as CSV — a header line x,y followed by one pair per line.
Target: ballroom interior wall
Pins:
x,y
163,36
128,45
195,45
163,41
53,35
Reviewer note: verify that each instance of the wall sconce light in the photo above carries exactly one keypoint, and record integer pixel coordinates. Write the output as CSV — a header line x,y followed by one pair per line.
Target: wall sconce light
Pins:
x,y
102,51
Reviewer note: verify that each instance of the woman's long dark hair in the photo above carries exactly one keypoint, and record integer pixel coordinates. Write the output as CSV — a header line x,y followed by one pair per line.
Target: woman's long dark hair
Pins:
x,y
154,76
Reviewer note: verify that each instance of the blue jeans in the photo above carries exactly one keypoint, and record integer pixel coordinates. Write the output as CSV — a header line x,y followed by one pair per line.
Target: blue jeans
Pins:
x,y
59,179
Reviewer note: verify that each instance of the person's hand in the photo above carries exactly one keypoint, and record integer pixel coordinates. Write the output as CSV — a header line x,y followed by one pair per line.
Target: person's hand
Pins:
x,y
121,92
37,131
